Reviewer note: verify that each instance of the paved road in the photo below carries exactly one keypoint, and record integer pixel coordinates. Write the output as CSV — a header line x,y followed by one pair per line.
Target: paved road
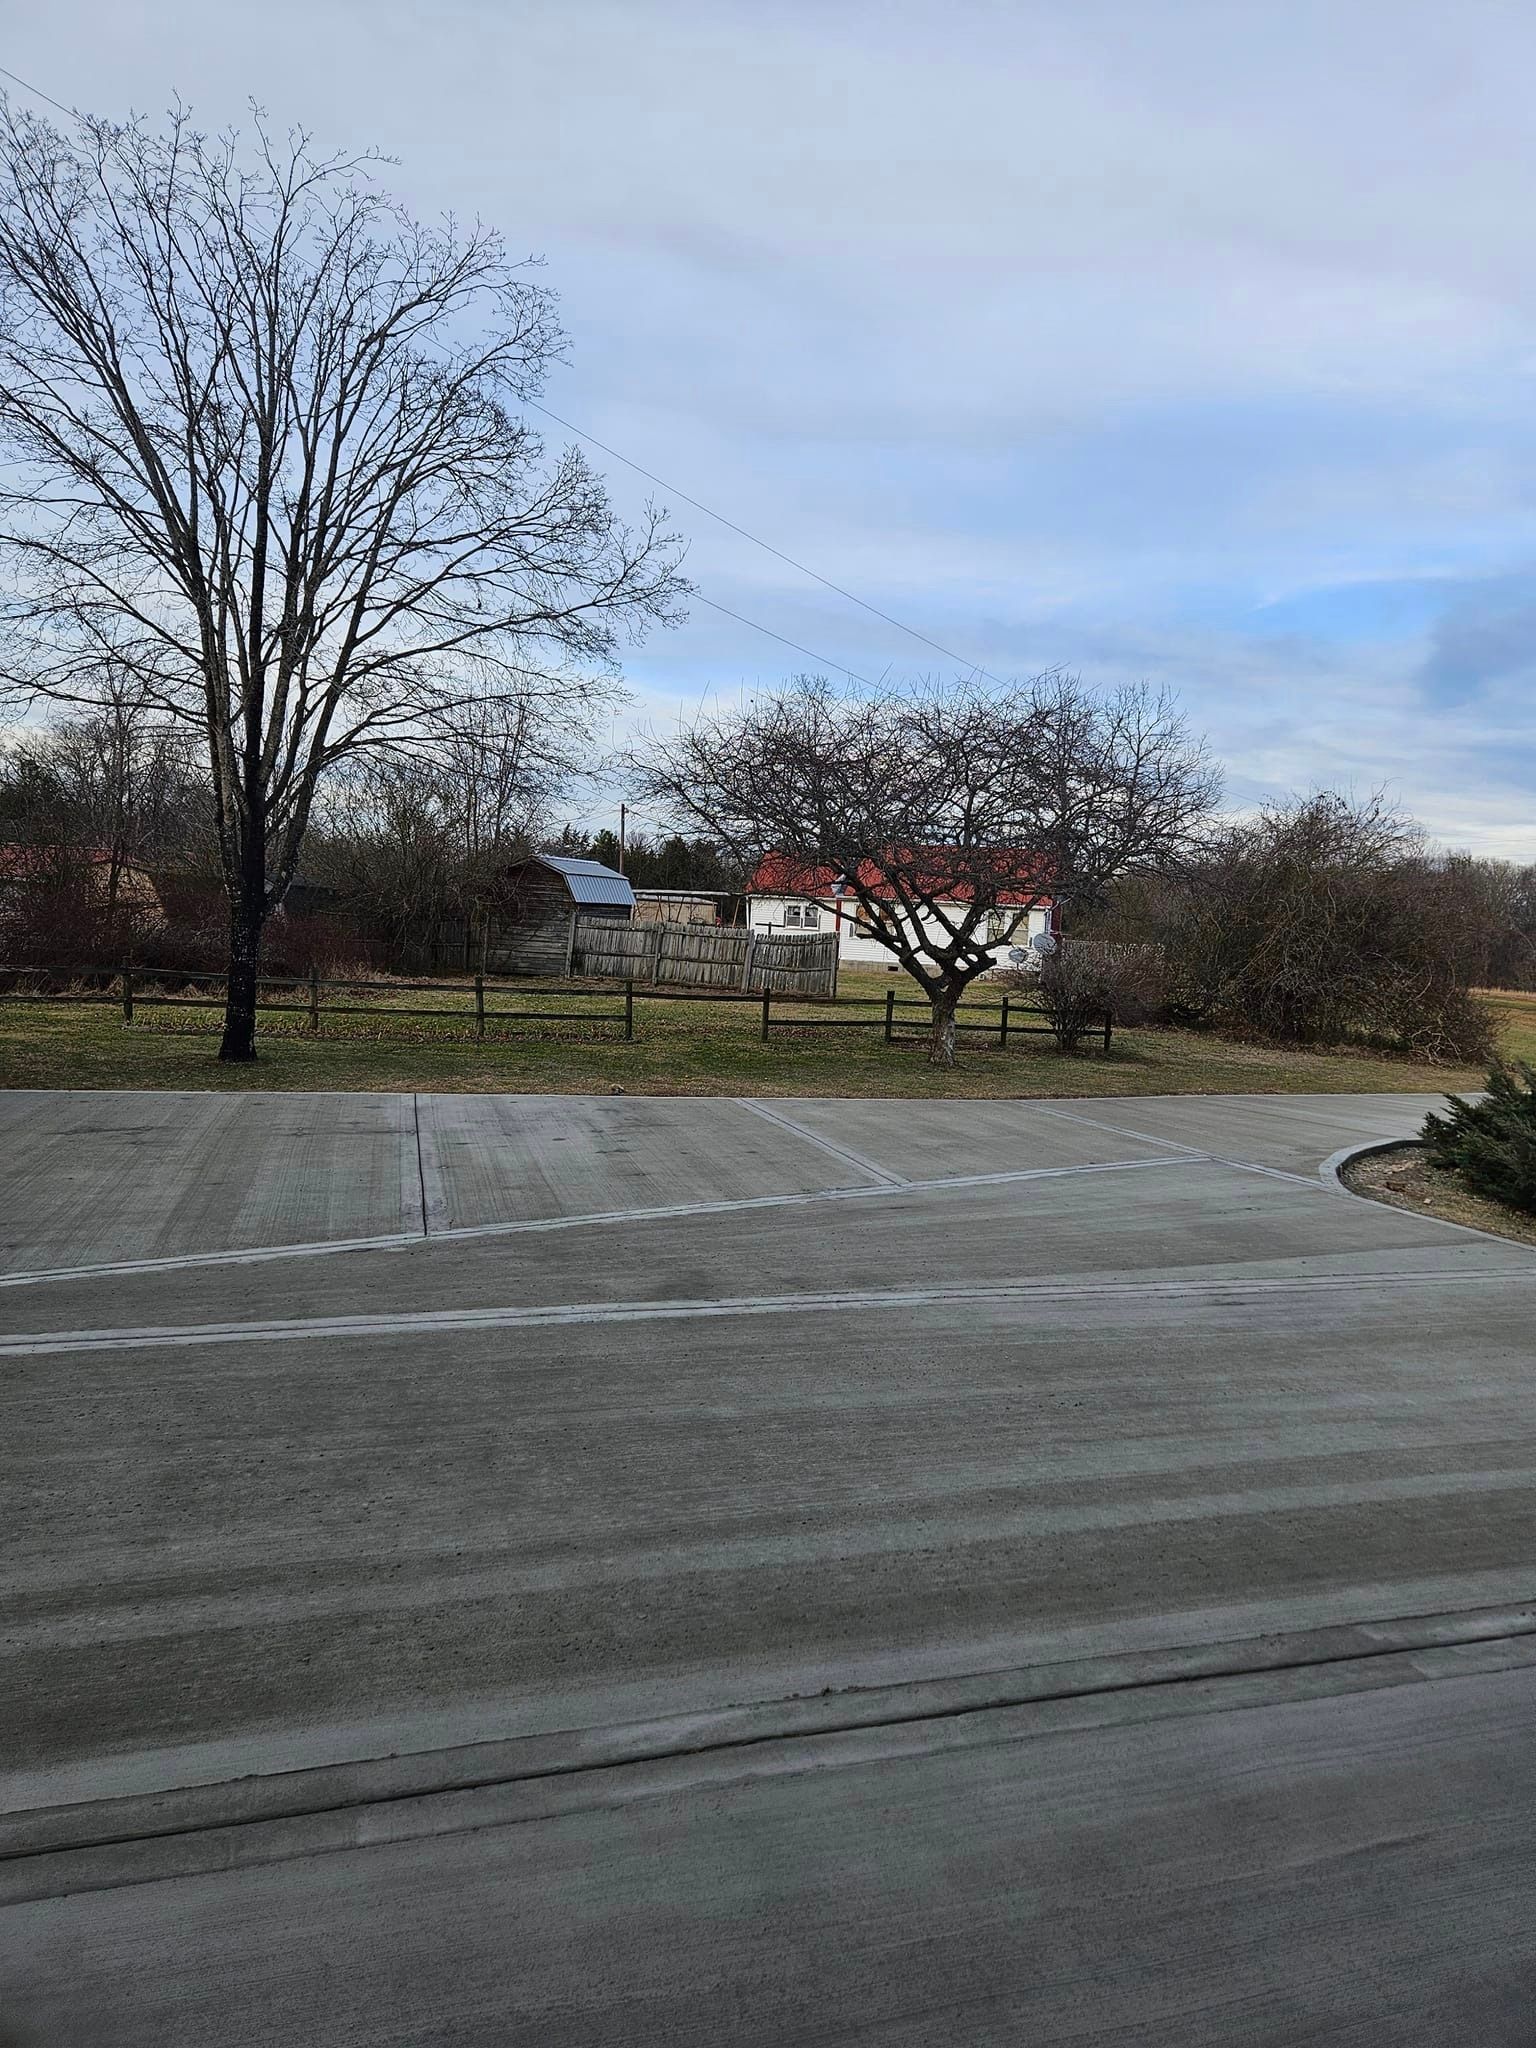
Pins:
x,y
537,1442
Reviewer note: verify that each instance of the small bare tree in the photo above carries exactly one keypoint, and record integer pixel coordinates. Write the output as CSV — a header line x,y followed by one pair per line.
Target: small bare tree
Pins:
x,y
113,782
507,761
413,837
946,814
265,458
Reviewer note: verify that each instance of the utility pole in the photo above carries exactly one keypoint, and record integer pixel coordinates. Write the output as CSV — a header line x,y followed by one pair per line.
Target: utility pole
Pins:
x,y
623,814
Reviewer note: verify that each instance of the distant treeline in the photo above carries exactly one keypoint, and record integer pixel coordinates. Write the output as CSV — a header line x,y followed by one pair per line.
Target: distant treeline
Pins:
x,y
1324,921
108,851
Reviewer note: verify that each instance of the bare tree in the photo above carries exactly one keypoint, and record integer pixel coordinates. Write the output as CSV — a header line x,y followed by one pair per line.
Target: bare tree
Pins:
x,y
505,761
387,837
945,813
265,457
413,836
112,781
1495,931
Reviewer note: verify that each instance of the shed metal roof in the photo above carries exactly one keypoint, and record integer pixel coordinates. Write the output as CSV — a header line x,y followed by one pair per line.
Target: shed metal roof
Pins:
x,y
589,881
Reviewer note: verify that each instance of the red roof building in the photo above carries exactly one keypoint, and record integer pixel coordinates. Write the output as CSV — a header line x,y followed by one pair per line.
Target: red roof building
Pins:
x,y
787,895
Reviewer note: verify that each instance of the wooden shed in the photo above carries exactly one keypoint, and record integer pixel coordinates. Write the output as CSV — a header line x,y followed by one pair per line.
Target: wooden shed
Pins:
x,y
531,927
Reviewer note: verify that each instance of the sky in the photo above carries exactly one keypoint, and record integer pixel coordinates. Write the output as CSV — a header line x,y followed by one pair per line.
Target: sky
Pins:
x,y
1153,340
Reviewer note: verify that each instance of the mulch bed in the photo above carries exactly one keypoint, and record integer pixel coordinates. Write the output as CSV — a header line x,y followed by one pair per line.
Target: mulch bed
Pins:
x,y
1403,1178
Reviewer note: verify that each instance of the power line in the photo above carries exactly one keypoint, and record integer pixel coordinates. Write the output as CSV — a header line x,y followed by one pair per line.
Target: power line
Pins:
x,y
757,541
697,503
36,94
842,666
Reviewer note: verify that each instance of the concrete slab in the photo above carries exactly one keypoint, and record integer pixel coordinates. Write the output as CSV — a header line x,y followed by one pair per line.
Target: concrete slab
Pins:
x,y
1131,1406
290,1547
1294,1132
926,1139
100,1178
1355,1866
1193,1217
91,1177
510,1158
933,1140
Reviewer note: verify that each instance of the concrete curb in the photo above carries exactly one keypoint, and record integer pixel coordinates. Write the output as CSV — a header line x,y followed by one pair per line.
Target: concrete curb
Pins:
x,y
100,1845
1332,1168
1332,1173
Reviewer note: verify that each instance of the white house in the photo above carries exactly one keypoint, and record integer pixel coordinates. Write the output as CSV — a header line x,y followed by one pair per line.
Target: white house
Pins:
x,y
782,897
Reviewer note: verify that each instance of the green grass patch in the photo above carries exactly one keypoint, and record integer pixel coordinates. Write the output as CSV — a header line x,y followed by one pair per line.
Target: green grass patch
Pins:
x,y
692,1048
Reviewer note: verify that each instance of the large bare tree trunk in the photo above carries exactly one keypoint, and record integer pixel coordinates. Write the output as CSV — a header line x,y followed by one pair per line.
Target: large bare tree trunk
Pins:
x,y
247,915
941,1049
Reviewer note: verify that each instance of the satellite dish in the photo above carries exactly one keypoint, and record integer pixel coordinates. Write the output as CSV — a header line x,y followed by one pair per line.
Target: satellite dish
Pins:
x,y
1018,952
1044,942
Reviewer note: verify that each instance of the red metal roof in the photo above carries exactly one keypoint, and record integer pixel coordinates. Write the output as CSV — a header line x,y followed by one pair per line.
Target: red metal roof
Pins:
x,y
779,875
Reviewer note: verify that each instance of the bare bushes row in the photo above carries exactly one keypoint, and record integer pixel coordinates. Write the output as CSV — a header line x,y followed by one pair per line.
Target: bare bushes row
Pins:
x,y
1320,922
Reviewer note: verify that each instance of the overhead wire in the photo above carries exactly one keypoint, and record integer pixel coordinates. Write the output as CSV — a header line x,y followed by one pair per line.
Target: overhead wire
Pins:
x,y
742,619
37,92
757,541
698,504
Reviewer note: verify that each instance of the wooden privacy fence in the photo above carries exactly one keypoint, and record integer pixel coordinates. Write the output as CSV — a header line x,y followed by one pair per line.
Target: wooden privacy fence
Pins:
x,y
704,956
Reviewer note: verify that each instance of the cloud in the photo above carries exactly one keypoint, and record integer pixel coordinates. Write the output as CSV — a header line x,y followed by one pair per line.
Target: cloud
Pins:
x,y
1180,339
1486,638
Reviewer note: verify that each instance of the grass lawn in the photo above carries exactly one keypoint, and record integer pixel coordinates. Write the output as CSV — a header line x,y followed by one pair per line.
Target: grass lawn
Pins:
x,y
678,1049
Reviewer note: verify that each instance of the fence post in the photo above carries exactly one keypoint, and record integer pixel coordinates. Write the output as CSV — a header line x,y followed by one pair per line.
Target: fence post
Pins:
x,y
890,1015
1002,1029
767,998
127,995
1108,1022
629,1009
479,1006
314,997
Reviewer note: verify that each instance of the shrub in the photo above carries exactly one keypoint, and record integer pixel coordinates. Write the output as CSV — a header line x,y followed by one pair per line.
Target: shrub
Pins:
x,y
1492,1143
1132,977
1125,980
64,921
1075,992
1324,922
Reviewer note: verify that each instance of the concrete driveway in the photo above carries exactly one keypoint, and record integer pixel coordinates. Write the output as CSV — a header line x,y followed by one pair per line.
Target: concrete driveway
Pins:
x,y
629,1569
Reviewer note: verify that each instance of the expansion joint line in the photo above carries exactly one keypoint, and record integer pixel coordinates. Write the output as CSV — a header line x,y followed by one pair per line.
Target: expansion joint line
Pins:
x,y
421,1171
1036,1296
845,1153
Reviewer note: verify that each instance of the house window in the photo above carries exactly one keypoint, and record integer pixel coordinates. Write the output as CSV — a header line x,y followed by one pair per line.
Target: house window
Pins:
x,y
999,926
792,915
812,917
802,916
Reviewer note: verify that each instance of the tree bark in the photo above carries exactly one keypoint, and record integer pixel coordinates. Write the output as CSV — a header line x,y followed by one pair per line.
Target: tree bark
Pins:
x,y
246,917
941,1050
